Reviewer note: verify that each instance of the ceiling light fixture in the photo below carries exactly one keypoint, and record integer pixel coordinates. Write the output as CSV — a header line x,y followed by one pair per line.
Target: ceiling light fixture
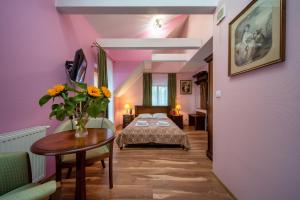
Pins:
x,y
156,26
158,23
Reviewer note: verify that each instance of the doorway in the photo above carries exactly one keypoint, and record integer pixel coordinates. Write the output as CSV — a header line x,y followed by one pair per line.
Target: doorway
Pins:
x,y
209,151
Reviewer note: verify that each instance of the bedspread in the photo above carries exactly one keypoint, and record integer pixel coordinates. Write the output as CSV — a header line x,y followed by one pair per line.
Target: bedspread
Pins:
x,y
153,133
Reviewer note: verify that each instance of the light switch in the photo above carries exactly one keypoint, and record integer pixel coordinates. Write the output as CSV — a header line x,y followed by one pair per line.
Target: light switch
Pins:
x,y
218,94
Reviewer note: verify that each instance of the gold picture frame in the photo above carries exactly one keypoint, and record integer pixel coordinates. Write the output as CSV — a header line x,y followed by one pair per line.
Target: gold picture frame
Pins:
x,y
257,36
186,87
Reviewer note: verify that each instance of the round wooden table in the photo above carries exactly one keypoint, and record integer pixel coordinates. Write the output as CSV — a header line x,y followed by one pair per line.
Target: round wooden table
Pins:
x,y
66,143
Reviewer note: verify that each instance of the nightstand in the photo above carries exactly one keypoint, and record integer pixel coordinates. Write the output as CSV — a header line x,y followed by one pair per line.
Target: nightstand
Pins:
x,y
127,119
178,120
197,120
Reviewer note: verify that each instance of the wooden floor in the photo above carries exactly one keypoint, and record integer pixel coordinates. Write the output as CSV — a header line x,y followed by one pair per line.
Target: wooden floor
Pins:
x,y
153,173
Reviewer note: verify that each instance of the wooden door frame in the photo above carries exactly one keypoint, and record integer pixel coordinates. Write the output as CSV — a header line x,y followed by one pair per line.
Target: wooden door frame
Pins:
x,y
209,151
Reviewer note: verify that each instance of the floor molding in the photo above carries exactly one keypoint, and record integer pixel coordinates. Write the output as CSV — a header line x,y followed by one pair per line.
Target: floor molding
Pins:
x,y
225,187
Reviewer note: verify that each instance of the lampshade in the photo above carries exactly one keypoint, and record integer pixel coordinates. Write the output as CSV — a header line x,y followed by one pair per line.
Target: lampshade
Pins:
x,y
178,107
127,106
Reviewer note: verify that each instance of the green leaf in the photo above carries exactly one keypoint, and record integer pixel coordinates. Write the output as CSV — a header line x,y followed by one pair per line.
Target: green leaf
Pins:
x,y
70,103
103,106
44,99
80,97
69,109
60,115
52,114
64,95
55,107
93,110
71,89
81,85
69,112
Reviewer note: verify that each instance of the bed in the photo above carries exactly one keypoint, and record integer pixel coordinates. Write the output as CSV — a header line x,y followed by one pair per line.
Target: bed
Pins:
x,y
154,133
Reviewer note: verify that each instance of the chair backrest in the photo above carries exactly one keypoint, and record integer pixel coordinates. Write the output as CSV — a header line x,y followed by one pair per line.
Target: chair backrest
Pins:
x,y
65,126
100,122
15,171
92,123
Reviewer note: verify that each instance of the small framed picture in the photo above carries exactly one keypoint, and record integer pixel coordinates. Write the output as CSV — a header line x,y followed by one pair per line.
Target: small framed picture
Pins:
x,y
221,14
186,87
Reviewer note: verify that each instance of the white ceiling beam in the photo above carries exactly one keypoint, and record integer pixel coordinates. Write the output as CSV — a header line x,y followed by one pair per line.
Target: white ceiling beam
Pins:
x,y
147,66
171,57
198,59
136,6
150,43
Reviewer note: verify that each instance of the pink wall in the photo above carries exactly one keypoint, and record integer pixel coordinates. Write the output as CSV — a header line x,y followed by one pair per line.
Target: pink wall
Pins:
x,y
187,102
122,70
133,96
35,42
256,121
199,26
167,67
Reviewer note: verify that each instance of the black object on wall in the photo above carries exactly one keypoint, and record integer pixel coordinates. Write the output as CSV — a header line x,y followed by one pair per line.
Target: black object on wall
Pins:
x,y
76,69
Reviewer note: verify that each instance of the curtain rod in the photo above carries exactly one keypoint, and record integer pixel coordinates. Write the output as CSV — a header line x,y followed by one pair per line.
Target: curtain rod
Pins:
x,y
95,44
167,72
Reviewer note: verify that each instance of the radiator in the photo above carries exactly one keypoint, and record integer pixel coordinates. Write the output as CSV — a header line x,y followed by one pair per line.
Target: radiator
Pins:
x,y
21,140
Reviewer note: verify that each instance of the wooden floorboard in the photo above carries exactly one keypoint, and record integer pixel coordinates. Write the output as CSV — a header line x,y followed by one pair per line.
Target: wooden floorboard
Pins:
x,y
154,173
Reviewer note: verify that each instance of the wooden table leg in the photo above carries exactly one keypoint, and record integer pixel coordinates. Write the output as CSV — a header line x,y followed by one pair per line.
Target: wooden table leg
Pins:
x,y
80,193
58,167
111,147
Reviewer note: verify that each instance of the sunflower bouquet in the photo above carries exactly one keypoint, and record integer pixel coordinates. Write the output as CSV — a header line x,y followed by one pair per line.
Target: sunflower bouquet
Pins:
x,y
81,103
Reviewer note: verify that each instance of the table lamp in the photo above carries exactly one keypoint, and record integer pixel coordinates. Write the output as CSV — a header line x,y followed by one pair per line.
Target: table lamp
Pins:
x,y
178,108
127,107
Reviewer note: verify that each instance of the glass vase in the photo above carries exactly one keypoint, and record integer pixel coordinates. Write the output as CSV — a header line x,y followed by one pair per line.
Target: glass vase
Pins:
x,y
80,126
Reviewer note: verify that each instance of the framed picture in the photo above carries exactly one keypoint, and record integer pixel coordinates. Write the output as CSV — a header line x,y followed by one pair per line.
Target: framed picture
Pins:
x,y
257,36
221,14
186,87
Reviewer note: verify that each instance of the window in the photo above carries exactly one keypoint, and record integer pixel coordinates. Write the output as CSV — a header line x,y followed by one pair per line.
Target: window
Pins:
x,y
159,89
159,95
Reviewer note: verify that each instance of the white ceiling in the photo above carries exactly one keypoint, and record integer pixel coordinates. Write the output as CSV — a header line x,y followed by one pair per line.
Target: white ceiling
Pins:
x,y
129,26
136,26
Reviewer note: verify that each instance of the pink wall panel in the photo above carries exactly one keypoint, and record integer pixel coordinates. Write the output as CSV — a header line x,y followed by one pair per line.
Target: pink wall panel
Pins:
x,y
122,70
35,42
256,121
133,96
187,101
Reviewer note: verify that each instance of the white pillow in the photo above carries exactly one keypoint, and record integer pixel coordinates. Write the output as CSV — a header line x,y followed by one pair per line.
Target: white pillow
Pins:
x,y
145,116
160,116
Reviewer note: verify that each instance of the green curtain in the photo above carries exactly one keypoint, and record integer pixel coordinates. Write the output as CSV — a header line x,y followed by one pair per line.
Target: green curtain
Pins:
x,y
147,92
102,74
172,90
102,68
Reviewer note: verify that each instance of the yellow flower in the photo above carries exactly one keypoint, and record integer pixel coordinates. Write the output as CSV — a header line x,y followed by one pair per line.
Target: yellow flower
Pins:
x,y
51,92
106,91
59,88
93,91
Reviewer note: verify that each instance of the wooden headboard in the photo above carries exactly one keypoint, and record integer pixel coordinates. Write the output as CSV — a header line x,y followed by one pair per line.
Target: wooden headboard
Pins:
x,y
151,109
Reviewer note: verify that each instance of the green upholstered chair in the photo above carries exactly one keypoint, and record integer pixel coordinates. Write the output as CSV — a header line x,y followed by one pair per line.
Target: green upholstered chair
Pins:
x,y
93,155
16,181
